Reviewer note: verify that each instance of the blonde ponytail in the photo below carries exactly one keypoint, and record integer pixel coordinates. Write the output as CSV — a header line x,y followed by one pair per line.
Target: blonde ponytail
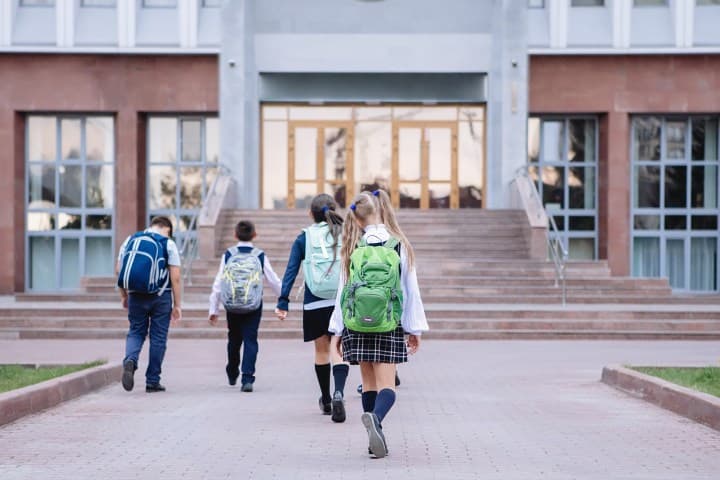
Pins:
x,y
387,216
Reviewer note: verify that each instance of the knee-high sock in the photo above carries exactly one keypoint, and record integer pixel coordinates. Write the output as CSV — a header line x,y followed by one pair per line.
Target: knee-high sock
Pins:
x,y
340,374
368,400
383,403
323,377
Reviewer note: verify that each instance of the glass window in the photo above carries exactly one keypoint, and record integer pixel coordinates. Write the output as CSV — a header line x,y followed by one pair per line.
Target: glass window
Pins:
x,y
705,3
211,3
705,139
98,3
70,198
650,3
647,138
159,3
536,3
587,3
37,3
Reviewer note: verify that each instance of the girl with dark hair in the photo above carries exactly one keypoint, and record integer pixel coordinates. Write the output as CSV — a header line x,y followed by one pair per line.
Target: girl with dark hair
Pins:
x,y
377,305
317,249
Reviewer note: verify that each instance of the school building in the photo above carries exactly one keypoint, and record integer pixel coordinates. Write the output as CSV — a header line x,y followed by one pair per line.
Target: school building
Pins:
x,y
117,110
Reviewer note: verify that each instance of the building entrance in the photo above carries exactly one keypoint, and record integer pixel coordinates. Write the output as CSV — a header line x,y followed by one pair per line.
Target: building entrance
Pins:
x,y
424,156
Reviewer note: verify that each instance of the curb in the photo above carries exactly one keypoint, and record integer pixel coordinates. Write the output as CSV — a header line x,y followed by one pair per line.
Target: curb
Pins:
x,y
698,406
35,398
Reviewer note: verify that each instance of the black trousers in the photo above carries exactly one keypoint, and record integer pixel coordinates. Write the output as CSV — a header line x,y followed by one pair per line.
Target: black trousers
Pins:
x,y
243,330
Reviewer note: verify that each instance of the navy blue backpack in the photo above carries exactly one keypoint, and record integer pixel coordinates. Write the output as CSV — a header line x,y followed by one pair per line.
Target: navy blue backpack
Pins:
x,y
144,267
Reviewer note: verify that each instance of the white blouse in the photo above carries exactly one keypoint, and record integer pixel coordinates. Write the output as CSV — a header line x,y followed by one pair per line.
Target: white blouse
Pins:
x,y
413,316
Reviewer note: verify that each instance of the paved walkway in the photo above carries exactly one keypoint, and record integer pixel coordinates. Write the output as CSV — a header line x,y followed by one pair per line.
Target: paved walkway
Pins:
x,y
466,410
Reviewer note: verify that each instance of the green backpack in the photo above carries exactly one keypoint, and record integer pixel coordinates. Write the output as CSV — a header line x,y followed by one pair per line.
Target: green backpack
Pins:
x,y
372,298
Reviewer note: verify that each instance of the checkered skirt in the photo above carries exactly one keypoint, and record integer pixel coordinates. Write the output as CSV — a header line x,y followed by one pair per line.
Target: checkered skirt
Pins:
x,y
374,347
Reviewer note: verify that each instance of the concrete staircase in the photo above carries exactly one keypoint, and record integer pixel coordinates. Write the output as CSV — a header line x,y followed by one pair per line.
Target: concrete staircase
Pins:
x,y
476,277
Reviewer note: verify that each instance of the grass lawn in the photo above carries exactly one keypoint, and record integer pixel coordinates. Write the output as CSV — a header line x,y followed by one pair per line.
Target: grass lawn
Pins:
x,y
18,376
704,379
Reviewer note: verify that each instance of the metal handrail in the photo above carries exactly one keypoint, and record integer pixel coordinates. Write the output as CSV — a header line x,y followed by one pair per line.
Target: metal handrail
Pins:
x,y
189,244
556,247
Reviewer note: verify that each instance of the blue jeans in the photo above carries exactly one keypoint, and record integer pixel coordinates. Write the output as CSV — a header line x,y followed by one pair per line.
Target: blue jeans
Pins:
x,y
243,329
148,312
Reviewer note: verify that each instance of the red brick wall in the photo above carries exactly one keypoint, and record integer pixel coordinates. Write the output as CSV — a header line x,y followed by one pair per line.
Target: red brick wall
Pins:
x,y
615,87
127,86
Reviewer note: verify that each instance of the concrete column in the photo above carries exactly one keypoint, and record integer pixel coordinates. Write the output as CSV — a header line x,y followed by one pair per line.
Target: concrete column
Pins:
x,y
558,10
129,192
507,102
6,18
126,23
615,194
239,109
622,17
12,184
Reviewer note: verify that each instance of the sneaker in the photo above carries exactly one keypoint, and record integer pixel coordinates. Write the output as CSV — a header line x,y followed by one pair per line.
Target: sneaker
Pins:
x,y
325,408
128,380
359,389
246,387
232,378
378,447
154,387
338,408
397,380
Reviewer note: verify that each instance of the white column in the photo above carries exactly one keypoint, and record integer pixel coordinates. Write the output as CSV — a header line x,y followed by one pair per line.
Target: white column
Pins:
x,y
69,38
6,18
558,10
126,23
689,23
183,7
193,16
60,23
622,21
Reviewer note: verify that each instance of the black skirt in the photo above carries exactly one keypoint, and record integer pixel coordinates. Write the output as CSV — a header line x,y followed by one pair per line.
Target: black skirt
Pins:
x,y
316,323
387,347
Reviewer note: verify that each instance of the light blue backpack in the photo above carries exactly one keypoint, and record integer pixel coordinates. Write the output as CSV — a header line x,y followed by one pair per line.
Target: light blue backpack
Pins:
x,y
321,274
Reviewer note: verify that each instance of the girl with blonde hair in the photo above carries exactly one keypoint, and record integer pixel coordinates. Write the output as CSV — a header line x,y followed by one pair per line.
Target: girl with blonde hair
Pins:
x,y
371,222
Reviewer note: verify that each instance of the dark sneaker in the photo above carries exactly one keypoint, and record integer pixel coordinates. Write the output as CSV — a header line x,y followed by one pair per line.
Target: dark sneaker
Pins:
x,y
154,387
378,447
232,377
128,380
338,408
247,387
359,389
397,380
325,408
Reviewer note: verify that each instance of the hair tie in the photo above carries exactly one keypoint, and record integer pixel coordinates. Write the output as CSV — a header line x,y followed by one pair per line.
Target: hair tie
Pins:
x,y
376,193
353,207
325,209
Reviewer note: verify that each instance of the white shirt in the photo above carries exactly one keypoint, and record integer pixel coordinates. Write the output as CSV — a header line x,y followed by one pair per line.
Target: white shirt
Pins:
x,y
413,318
270,275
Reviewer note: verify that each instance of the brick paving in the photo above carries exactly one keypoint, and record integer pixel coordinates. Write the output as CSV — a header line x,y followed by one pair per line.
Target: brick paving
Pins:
x,y
490,410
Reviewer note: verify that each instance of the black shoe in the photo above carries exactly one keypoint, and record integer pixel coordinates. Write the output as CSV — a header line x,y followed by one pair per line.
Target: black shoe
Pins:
x,y
338,408
128,380
325,408
154,387
232,377
397,380
359,389
378,447
246,387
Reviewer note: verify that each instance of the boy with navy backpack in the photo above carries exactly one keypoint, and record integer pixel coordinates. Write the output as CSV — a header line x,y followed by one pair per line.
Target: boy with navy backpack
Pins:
x,y
150,284
238,286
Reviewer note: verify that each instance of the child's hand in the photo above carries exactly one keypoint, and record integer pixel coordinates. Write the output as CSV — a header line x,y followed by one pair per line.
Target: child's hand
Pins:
x,y
413,344
336,344
281,314
213,319
175,316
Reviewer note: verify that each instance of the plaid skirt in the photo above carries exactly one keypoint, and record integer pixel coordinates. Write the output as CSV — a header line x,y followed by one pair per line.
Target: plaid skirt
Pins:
x,y
374,347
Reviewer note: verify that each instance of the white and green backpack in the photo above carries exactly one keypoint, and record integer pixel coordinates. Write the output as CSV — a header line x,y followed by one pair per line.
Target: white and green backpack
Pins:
x,y
321,266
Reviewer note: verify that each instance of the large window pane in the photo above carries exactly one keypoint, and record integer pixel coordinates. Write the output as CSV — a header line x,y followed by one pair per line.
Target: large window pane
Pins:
x,y
409,153
191,141
703,264
41,188
675,262
533,139
212,140
306,153
581,141
70,139
581,248
99,258
553,188
471,156
335,153
40,222
439,153
373,155
440,195
647,187
42,138
647,138
70,260
69,221
163,187
99,139
42,263
191,181
675,138
553,139
704,187
71,183
98,222
646,257
581,183
99,186
275,164
675,187
163,140
705,139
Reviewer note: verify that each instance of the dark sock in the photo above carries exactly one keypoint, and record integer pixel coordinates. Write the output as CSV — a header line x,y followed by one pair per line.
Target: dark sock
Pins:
x,y
340,374
323,378
368,400
383,403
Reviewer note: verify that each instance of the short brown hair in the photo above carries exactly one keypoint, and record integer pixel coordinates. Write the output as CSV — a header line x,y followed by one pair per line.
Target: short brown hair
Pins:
x,y
163,221
245,230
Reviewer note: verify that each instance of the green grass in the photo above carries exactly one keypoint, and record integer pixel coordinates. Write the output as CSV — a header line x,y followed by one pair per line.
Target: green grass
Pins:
x,y
704,379
18,376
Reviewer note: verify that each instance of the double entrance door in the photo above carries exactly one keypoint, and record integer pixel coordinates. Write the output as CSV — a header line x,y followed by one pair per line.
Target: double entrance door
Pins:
x,y
421,170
